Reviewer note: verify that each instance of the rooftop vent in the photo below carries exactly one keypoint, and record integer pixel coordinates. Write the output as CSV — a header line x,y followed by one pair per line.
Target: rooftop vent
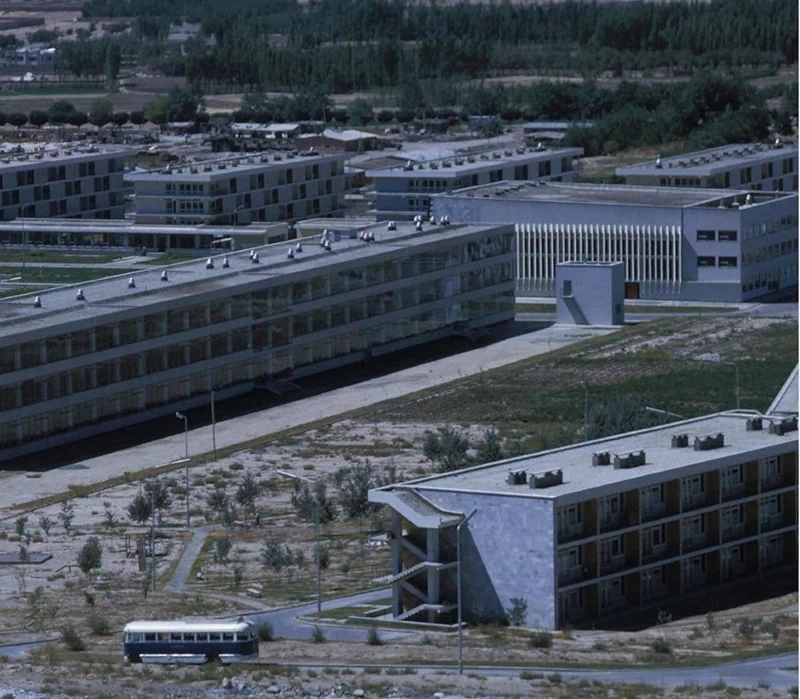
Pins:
x,y
131,283
408,166
209,263
419,225
391,226
164,277
547,479
658,163
539,146
601,458
680,441
778,143
748,200
459,161
255,258
711,441
517,477
37,302
226,263
278,157
328,245
788,424
754,424
206,168
434,166
289,255
298,247
507,153
446,163
432,220
80,296
470,159
631,460
370,237
483,157
496,155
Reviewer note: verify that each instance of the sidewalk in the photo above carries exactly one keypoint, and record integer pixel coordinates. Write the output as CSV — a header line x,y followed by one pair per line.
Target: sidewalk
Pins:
x,y
19,489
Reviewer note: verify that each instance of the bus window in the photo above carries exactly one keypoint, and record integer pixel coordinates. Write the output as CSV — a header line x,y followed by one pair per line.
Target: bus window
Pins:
x,y
163,637
202,636
214,637
227,637
149,637
134,638
175,637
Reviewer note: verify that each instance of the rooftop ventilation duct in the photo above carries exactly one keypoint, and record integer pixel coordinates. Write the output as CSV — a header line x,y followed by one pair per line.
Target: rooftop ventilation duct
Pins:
x,y
711,441
754,424
209,263
37,302
631,460
781,427
80,295
601,458
131,283
517,478
298,247
391,226
328,246
546,479
658,163
164,277
226,263
680,441
255,258
289,255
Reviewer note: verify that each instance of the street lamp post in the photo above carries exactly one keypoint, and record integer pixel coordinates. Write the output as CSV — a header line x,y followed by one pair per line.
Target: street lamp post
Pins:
x,y
316,532
458,592
185,419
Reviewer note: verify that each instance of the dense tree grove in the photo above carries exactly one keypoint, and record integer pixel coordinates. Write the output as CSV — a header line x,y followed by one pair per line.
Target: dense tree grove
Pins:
x,y
355,44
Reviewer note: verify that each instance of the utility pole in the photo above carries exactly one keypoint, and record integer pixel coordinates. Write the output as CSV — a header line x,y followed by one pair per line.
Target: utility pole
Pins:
x,y
153,532
185,419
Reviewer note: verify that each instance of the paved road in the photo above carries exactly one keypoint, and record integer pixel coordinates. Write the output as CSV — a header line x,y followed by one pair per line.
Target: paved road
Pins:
x,y
180,576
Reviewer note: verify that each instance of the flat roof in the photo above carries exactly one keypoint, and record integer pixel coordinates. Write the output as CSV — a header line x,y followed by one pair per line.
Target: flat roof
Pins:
x,y
631,195
112,295
84,225
786,400
204,171
710,161
31,155
461,164
579,474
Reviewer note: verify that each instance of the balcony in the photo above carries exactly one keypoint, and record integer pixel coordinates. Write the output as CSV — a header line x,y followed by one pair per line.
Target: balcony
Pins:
x,y
629,518
734,531
617,563
694,501
695,542
653,553
771,481
733,492
571,531
573,575
694,580
772,521
654,510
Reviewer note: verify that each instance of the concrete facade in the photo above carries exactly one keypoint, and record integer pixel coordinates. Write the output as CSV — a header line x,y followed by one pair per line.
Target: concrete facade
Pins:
x,y
590,293
584,532
127,234
85,359
755,166
402,193
65,182
235,191
681,244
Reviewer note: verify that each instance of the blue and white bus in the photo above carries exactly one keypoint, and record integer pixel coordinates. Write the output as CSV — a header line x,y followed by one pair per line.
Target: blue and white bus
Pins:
x,y
192,642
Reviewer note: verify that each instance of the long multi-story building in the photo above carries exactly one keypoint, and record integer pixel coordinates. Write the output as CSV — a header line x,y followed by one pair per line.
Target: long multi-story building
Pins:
x,y
65,181
683,244
404,192
255,189
757,166
85,359
596,529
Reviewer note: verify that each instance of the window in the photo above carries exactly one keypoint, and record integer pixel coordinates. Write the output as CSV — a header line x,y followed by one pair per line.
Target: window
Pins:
x,y
706,235
610,508
227,637
731,478
653,540
694,526
732,517
728,262
175,637
569,520
693,487
728,236
566,289
770,471
214,637
703,261
569,560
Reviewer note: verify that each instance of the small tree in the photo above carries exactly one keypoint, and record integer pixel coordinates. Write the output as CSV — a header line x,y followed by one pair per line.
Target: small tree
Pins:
x,y
712,626
111,520
71,639
66,515
19,525
373,637
217,500
489,449
238,576
37,117
247,492
305,503
276,555
18,119
324,556
45,523
318,635
36,603
517,613
446,448
90,556
222,549
139,510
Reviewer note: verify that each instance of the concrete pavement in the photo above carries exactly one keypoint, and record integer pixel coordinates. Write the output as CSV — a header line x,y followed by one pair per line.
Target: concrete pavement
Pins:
x,y
18,488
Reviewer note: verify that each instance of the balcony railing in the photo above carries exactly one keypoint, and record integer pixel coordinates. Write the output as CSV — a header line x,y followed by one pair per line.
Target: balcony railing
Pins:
x,y
612,565
734,531
572,575
732,492
771,482
571,531
654,510
694,580
694,542
650,553
771,521
692,501
618,521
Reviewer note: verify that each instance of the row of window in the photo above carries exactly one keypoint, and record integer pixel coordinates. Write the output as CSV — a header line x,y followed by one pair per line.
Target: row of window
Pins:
x,y
205,637
722,236
769,252
763,228
711,261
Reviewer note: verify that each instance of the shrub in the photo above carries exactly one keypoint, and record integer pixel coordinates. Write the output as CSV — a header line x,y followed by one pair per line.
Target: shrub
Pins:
x,y
746,629
71,639
318,635
265,632
555,678
374,638
91,555
99,625
517,613
661,645
540,639
236,466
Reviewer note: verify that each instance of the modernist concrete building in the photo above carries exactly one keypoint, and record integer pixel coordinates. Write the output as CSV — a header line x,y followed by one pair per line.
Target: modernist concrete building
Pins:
x,y
127,234
403,192
255,189
587,531
85,359
590,293
683,244
739,166
64,181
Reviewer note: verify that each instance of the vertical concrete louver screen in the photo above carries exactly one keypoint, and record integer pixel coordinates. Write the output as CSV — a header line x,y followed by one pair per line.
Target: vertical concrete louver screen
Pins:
x,y
651,254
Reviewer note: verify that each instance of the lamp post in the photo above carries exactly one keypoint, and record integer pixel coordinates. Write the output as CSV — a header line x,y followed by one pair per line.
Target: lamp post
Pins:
x,y
316,531
458,593
185,419
667,413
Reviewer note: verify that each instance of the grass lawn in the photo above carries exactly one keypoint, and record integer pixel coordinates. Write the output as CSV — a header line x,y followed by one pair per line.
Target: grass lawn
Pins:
x,y
15,291
170,258
544,396
34,257
59,275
